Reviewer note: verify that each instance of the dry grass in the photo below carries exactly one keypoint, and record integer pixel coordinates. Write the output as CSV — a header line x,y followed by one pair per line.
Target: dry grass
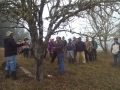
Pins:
x,y
97,75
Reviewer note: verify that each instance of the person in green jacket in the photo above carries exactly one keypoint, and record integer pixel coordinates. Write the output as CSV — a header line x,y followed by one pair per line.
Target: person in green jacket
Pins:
x,y
95,46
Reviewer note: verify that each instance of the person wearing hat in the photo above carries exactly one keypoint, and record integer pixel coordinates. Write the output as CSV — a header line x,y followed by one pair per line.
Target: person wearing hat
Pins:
x,y
115,49
10,47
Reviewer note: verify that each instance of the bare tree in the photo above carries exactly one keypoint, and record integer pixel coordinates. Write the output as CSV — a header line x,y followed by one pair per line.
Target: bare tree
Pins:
x,y
29,14
103,24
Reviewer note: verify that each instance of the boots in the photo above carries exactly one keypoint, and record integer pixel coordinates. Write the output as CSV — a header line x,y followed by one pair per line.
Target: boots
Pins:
x,y
7,74
14,75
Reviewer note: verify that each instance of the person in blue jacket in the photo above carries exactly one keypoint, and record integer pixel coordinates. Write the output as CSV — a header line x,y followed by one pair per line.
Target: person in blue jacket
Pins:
x,y
95,46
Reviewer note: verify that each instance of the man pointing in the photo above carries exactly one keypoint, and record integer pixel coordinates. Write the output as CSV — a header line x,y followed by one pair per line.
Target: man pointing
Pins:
x,y
10,54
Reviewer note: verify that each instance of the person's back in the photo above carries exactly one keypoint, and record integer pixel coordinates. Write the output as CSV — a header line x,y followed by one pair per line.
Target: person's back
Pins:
x,y
10,47
95,45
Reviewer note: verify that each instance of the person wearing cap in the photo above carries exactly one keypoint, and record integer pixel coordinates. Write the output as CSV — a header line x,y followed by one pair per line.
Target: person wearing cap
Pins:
x,y
10,47
115,49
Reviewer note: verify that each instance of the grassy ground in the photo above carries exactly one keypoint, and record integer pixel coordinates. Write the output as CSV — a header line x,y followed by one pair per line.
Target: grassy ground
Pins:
x,y
97,75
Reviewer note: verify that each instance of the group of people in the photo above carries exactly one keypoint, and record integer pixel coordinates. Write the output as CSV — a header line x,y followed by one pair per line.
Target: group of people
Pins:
x,y
74,49
26,48
59,48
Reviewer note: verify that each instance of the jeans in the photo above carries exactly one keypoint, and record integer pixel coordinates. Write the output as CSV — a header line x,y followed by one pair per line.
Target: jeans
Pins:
x,y
11,63
60,62
116,56
70,54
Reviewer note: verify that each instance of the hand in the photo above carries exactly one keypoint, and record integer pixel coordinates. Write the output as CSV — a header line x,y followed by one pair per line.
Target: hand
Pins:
x,y
24,43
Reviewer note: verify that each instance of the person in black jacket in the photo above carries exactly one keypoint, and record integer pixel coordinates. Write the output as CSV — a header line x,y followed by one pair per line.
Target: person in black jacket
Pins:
x,y
10,47
80,48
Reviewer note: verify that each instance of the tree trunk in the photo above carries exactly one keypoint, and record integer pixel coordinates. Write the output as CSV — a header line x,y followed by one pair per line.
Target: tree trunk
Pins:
x,y
38,51
39,56
105,47
39,70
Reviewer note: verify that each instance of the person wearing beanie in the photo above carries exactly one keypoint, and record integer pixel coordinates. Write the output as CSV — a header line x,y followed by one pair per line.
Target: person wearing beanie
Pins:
x,y
10,47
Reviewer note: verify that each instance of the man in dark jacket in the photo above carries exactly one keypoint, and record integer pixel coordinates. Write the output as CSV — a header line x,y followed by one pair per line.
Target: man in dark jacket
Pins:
x,y
60,54
80,48
10,54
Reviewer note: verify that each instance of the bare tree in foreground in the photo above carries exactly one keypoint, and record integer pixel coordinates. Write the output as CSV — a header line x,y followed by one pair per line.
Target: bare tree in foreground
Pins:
x,y
29,15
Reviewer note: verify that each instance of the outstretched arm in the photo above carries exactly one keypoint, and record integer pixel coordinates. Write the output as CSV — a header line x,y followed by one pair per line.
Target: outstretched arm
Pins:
x,y
13,43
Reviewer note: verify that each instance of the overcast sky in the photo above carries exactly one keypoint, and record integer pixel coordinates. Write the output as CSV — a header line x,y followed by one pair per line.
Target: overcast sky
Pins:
x,y
76,24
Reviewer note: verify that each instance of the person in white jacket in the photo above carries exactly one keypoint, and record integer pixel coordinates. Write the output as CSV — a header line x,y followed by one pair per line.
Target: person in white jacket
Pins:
x,y
115,49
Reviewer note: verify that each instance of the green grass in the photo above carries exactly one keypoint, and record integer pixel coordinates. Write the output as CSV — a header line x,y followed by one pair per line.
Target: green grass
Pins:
x,y
97,75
